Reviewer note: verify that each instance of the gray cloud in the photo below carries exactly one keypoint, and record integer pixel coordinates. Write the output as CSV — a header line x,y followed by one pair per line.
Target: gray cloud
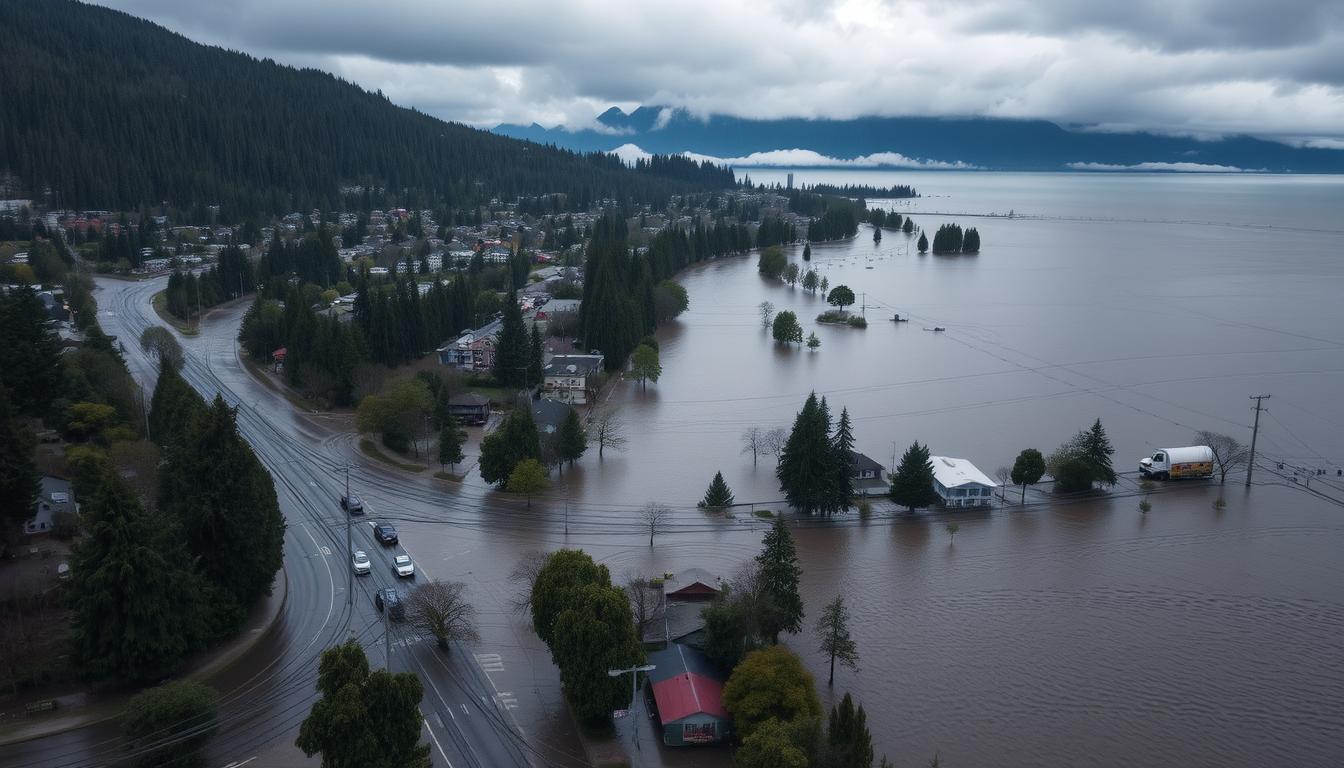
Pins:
x,y
1183,66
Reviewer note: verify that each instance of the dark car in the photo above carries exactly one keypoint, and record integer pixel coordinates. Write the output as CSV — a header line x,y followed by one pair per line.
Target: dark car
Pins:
x,y
352,504
390,599
385,533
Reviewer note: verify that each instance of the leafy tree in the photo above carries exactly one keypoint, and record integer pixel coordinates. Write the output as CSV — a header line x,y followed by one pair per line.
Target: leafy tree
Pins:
x,y
1071,475
779,577
791,274
450,442
595,635
812,341
170,725
840,296
1083,460
786,329
1228,452
718,495
515,441
669,300
133,603
398,415
767,311
923,244
364,718
810,281
770,747
730,626
812,473
225,500
528,477
645,366
823,284
557,584
571,439
1027,470
439,608
772,262
20,483
912,485
849,744
833,629
163,345
770,683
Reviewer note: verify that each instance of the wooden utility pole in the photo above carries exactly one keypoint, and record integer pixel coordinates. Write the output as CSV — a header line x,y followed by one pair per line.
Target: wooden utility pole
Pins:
x,y
1255,432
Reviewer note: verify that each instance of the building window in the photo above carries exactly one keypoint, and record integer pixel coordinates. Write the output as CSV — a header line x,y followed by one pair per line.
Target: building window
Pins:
x,y
697,733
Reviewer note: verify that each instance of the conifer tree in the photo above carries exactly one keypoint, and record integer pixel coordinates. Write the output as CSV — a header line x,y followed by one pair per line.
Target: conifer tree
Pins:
x,y
807,252
923,243
29,363
779,576
1097,451
849,742
536,359
718,495
571,439
812,474
836,643
513,351
912,485
19,481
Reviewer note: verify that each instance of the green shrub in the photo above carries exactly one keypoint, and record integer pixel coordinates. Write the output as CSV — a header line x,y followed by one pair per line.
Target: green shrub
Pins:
x,y
1145,505
169,713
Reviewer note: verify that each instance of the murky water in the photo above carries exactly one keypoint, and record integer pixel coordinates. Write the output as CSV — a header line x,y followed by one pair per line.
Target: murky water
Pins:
x,y
1075,634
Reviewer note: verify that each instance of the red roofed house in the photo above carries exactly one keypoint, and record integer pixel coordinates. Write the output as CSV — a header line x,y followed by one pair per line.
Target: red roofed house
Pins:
x,y
688,693
692,584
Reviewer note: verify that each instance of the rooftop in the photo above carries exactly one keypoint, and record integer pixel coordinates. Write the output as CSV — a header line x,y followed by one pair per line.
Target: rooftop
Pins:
x,y
685,683
561,365
957,472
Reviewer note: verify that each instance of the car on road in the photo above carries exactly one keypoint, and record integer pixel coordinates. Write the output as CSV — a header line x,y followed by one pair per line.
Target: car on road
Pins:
x,y
359,562
385,533
389,599
403,567
352,503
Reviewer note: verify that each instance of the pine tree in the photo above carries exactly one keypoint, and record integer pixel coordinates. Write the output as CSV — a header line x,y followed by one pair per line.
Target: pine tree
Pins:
x,y
536,359
779,576
20,484
133,603
1097,451
833,629
450,442
718,495
807,252
571,439
923,243
849,742
811,474
515,440
29,353
912,485
512,351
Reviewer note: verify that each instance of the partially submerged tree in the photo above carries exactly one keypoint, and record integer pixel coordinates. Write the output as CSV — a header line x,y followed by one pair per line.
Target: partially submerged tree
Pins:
x,y
1028,469
753,442
767,312
769,684
608,431
1228,452
571,440
912,484
644,365
786,328
840,296
440,609
450,443
779,577
718,495
528,478
836,642
655,516
1083,461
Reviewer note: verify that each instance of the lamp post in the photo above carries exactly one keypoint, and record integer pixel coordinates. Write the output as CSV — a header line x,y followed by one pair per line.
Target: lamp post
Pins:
x,y
634,692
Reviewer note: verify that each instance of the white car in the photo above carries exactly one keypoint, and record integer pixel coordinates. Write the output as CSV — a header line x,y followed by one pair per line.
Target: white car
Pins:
x,y
359,562
403,567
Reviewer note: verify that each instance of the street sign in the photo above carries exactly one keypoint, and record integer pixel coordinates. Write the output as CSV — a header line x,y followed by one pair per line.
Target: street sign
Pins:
x,y
619,713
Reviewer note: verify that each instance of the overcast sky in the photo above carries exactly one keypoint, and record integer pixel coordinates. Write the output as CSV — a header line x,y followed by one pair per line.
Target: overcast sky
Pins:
x,y
1272,68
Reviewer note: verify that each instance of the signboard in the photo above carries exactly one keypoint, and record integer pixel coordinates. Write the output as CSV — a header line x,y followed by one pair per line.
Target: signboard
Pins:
x,y
617,714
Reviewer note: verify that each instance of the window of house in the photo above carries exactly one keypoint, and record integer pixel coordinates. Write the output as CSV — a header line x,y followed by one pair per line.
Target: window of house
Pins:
x,y
697,732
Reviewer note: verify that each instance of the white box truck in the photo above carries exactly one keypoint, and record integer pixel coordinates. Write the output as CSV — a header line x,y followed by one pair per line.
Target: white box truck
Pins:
x,y
1178,463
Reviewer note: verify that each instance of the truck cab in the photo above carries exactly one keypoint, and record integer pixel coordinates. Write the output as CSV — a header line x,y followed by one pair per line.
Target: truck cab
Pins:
x,y
1155,466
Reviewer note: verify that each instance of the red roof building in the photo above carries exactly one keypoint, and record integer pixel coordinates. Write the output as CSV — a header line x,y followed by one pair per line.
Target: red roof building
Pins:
x,y
688,693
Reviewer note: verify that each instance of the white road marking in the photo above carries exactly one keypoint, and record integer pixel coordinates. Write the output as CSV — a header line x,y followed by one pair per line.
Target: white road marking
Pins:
x,y
325,550
435,739
490,662
466,711
240,765
507,699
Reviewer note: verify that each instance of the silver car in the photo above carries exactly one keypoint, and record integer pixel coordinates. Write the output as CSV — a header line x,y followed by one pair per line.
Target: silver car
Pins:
x,y
359,562
403,567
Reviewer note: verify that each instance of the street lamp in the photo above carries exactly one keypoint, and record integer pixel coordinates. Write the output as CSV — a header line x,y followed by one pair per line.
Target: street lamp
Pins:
x,y
634,692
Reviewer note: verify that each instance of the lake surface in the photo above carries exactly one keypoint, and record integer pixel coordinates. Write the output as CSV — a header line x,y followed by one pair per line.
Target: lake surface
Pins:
x,y
1082,633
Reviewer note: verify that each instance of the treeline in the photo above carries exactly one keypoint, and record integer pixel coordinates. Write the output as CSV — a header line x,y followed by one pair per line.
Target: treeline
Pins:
x,y
312,258
230,278
148,116
891,220
775,231
837,222
863,190
624,291
950,239
148,588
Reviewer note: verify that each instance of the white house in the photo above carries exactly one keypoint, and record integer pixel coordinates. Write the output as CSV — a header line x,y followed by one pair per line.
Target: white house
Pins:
x,y
960,484
566,377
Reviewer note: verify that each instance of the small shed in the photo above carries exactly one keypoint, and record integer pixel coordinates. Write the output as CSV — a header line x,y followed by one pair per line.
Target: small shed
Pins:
x,y
469,408
688,697
57,499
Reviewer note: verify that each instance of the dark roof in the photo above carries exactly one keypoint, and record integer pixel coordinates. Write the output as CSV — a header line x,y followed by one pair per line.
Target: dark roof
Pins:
x,y
685,683
859,463
694,582
549,414
576,364
469,399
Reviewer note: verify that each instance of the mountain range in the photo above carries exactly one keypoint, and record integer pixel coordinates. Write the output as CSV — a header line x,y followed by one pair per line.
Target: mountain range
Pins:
x,y
923,142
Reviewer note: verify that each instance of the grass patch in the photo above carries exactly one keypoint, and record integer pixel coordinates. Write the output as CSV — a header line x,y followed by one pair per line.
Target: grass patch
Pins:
x,y
370,449
161,309
764,513
836,317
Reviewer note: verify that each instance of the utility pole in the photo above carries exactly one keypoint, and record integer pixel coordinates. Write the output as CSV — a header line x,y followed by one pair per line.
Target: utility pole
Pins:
x,y
387,635
634,694
1255,432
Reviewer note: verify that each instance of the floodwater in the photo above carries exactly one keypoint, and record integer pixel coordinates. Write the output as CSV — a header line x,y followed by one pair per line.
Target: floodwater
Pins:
x,y
1084,633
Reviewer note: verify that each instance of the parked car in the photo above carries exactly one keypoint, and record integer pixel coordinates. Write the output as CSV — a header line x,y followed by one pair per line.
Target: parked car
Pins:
x,y
385,533
403,567
359,562
389,599
352,503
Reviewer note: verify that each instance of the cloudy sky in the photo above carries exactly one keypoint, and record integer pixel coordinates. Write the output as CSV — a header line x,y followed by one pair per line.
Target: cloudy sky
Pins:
x,y
1202,67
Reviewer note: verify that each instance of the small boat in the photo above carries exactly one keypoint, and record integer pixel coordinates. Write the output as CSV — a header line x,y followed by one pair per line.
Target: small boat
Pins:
x,y
898,319
936,328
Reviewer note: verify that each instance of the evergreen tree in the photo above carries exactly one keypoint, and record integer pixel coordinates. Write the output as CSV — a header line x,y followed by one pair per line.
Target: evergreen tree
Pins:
x,y
844,435
513,352
593,636
515,440
571,439
174,408
833,629
807,252
923,243
29,362
450,442
971,242
718,495
779,576
20,484
1097,450
169,726
536,359
849,742
912,485
813,476
133,603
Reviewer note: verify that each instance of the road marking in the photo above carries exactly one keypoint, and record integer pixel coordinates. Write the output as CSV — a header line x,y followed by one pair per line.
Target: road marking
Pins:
x,y
240,765
507,699
325,550
437,744
466,711
490,662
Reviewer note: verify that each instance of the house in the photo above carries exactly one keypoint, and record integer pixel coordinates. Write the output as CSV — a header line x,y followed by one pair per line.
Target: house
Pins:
x,y
865,474
692,584
688,696
960,484
566,377
473,350
55,500
549,415
469,408
541,316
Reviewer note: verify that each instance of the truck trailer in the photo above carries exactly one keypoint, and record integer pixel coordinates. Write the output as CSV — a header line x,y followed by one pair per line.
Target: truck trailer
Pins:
x,y
1178,463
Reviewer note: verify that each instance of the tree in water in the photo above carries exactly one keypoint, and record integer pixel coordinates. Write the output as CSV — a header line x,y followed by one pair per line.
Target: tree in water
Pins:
x,y
923,243
836,642
718,495
912,485
779,577
1028,469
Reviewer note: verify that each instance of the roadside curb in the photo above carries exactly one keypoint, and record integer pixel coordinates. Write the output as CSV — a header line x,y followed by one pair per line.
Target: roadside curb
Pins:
x,y
111,709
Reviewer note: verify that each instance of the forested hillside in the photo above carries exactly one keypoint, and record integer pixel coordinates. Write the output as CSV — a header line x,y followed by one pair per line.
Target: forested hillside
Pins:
x,y
110,111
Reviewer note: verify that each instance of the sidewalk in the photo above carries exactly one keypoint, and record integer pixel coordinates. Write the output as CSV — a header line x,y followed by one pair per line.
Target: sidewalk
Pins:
x,y
80,710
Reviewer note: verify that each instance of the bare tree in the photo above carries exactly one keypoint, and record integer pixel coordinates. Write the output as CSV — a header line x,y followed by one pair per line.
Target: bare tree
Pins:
x,y
163,345
774,441
608,431
1004,475
525,575
656,515
646,601
1228,452
753,442
767,311
438,608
